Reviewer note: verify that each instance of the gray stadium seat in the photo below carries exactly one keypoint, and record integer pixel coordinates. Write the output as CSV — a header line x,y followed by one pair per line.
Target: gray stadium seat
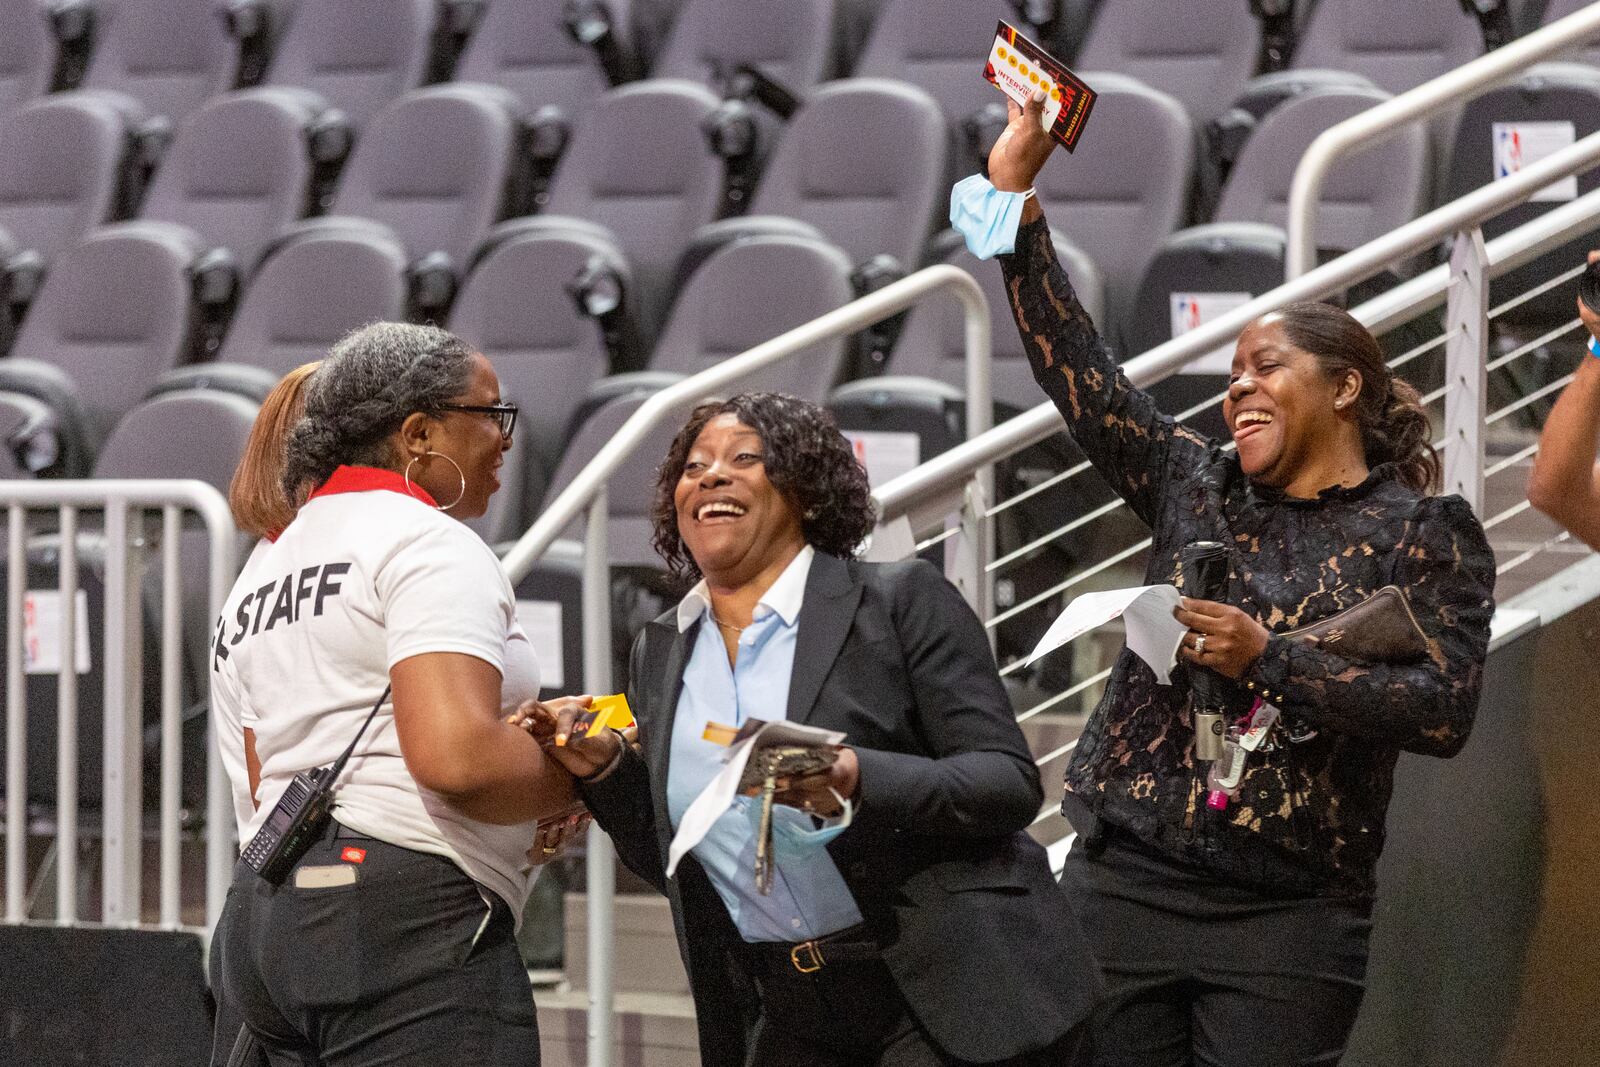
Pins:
x,y
61,165
1560,9
748,292
938,47
790,41
1564,98
27,53
639,169
239,171
1396,46
1201,52
1126,188
862,164
170,55
514,308
525,47
114,312
310,291
357,54
435,167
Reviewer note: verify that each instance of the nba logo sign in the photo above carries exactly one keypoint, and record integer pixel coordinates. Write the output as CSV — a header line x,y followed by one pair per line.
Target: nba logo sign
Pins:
x,y
1507,150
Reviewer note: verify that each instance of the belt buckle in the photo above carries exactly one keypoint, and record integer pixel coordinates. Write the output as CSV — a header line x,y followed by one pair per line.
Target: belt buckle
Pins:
x,y
810,949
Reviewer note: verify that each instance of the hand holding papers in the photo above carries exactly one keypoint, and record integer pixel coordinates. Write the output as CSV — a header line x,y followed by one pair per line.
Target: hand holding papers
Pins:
x,y
761,753
1153,634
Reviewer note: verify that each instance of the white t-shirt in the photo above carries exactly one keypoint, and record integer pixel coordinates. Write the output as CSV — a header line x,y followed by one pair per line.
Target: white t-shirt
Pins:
x,y
226,703
359,581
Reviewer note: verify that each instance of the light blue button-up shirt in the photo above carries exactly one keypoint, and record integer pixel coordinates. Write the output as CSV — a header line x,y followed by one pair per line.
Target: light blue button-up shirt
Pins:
x,y
809,897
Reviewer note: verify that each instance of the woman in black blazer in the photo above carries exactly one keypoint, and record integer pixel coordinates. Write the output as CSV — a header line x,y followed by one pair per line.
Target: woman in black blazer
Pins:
x,y
929,929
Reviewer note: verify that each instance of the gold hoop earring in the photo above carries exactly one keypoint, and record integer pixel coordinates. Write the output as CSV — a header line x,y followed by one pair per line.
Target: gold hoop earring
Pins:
x,y
459,474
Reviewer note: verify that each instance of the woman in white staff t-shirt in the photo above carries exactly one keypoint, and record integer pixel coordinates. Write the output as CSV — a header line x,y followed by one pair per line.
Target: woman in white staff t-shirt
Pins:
x,y
393,934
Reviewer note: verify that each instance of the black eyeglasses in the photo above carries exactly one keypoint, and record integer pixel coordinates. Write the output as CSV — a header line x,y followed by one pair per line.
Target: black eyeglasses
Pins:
x,y
504,414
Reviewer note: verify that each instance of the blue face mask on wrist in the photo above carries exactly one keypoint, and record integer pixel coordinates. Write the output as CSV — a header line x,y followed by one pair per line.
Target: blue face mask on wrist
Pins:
x,y
985,216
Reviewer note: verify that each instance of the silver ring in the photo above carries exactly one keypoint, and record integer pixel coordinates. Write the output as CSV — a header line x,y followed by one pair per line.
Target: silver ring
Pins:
x,y
1200,645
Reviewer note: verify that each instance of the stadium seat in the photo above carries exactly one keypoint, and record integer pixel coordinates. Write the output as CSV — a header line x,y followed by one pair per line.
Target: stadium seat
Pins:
x,y
435,168
240,170
1201,52
527,48
1396,46
639,170
1208,269
515,308
27,53
1560,9
748,292
790,41
62,167
114,312
940,48
1549,107
170,55
312,289
862,165
1125,189
357,54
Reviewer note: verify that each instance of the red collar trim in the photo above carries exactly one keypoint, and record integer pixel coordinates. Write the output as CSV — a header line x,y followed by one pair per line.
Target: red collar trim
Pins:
x,y
347,479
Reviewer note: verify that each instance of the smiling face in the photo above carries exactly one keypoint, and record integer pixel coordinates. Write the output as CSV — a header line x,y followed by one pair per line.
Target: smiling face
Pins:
x,y
1284,411
473,440
732,519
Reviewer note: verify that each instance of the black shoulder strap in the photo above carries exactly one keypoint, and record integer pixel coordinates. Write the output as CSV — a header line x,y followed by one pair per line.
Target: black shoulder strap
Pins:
x,y
344,757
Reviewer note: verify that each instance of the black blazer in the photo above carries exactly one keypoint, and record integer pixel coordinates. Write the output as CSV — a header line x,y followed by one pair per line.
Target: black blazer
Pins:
x,y
982,942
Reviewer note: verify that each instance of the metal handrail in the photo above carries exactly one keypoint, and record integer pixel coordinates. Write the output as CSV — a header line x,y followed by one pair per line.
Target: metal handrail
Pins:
x,y
1440,94
854,316
944,476
122,737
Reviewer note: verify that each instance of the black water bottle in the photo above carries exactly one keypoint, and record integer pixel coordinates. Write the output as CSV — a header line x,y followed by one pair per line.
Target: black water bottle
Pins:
x,y
1205,577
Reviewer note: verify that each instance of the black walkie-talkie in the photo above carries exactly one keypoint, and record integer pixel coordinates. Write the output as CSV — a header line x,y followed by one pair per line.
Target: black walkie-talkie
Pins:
x,y
1205,577
300,815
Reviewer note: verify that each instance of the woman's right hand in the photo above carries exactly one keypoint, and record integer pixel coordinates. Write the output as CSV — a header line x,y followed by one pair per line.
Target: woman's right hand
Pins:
x,y
551,724
1021,151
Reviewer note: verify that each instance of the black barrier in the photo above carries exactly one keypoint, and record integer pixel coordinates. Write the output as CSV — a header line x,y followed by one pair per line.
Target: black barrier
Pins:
x,y
93,996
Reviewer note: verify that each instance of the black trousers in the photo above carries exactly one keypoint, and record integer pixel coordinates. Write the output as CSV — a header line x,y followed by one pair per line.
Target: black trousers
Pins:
x,y
410,963
1208,974
852,1014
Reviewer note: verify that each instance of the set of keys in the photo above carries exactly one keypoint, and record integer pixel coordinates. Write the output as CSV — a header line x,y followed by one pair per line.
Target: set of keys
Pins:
x,y
1230,747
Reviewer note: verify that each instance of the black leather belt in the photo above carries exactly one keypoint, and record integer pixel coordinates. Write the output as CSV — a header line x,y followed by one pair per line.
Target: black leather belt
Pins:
x,y
808,957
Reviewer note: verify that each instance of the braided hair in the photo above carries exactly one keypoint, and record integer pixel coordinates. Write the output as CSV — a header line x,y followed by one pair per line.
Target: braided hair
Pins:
x,y
373,378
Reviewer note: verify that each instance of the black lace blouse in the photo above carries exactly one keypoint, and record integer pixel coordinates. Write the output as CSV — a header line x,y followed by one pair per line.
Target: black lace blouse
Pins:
x,y
1309,817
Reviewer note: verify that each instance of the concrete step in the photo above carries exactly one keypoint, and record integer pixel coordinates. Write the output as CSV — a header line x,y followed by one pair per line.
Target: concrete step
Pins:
x,y
647,960
651,1030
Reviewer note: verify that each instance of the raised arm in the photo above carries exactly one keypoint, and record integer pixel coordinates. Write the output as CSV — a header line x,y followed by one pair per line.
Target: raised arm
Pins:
x,y
1118,427
1447,572
1565,482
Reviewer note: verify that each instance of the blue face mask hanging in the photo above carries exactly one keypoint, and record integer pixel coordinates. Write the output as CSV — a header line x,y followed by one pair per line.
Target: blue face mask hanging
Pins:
x,y
793,832
985,216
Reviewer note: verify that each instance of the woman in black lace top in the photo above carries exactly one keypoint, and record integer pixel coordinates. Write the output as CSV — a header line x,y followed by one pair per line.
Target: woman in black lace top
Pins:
x,y
1239,936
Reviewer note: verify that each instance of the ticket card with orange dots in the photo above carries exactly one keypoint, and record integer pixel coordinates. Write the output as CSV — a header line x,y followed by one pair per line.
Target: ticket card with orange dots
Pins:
x,y
1018,68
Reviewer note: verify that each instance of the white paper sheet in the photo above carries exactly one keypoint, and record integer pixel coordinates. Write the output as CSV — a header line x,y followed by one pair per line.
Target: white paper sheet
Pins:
x,y
885,454
1190,311
41,632
717,796
1152,633
1522,144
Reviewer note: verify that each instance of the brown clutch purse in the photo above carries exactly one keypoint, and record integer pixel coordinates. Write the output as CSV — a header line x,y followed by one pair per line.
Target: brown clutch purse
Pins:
x,y
1380,629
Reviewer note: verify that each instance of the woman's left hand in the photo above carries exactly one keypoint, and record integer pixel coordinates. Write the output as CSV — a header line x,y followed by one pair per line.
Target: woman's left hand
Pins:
x,y
811,793
554,834
1221,636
